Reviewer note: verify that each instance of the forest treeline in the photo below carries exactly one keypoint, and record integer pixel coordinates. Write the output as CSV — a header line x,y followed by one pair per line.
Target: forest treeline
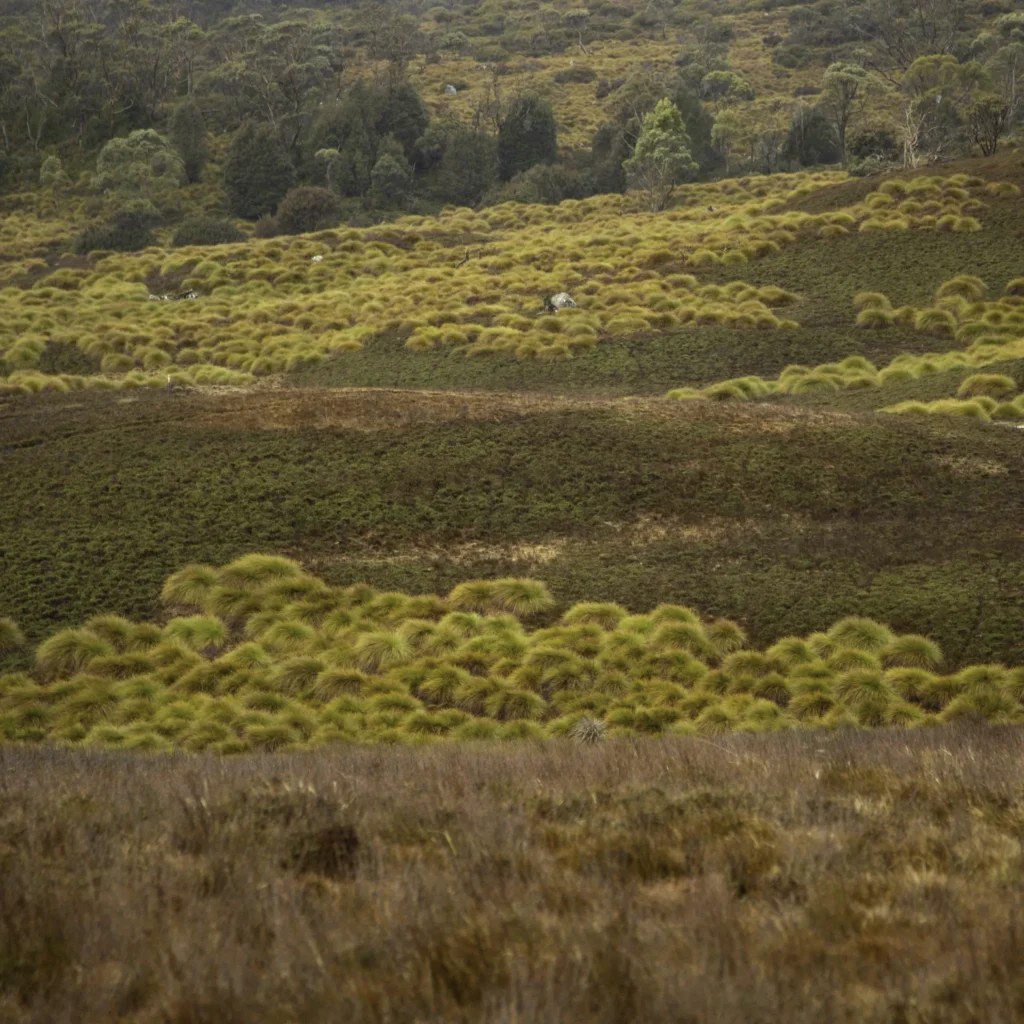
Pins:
x,y
125,102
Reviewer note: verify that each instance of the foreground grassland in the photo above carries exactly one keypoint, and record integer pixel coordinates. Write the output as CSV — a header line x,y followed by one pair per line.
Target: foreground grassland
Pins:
x,y
260,655
845,877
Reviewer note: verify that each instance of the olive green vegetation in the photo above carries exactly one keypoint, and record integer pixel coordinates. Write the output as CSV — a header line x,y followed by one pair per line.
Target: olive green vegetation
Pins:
x,y
783,519
826,273
260,655
927,388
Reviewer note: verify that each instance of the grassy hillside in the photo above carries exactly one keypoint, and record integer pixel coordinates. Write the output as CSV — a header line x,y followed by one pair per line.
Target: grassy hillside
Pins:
x,y
485,49
783,519
826,274
727,279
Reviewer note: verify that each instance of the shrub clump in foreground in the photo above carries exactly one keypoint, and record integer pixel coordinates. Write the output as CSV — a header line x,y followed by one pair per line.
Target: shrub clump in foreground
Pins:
x,y
258,655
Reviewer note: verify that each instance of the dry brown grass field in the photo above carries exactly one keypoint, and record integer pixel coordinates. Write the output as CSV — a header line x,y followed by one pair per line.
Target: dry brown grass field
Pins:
x,y
852,876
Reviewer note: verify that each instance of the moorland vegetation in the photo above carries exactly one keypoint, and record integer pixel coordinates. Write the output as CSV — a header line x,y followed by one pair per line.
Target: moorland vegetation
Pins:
x,y
655,657
245,223
259,655
785,517
473,283
625,881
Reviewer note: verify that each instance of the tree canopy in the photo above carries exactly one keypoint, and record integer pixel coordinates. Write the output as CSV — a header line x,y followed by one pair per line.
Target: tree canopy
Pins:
x,y
661,159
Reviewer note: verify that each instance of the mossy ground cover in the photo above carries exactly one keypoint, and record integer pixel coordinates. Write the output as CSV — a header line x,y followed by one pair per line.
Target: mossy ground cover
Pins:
x,y
786,520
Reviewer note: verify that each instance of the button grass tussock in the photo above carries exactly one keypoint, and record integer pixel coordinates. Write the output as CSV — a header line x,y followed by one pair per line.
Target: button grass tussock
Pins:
x,y
377,667
624,266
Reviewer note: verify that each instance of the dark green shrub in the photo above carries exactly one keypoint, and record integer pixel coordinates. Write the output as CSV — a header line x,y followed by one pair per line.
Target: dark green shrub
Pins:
x,y
812,139
606,87
608,149
188,136
266,227
391,177
127,232
306,209
545,183
467,168
206,231
63,357
873,141
258,173
575,75
793,56
527,137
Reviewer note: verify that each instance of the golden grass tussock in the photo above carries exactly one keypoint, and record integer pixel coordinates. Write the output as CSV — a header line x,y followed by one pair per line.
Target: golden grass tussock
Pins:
x,y
992,330
265,307
259,655
993,385
875,318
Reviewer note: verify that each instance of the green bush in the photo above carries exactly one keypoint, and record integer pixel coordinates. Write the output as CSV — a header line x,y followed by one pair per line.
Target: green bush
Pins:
x,y
127,232
575,75
206,231
307,209
548,184
188,135
258,173
527,136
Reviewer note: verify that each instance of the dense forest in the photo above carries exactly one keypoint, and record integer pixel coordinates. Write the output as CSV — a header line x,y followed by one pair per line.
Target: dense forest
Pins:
x,y
150,111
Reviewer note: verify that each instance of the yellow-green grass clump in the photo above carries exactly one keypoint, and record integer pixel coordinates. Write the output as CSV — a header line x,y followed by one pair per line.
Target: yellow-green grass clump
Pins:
x,y
11,637
982,407
991,330
260,655
995,385
271,306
